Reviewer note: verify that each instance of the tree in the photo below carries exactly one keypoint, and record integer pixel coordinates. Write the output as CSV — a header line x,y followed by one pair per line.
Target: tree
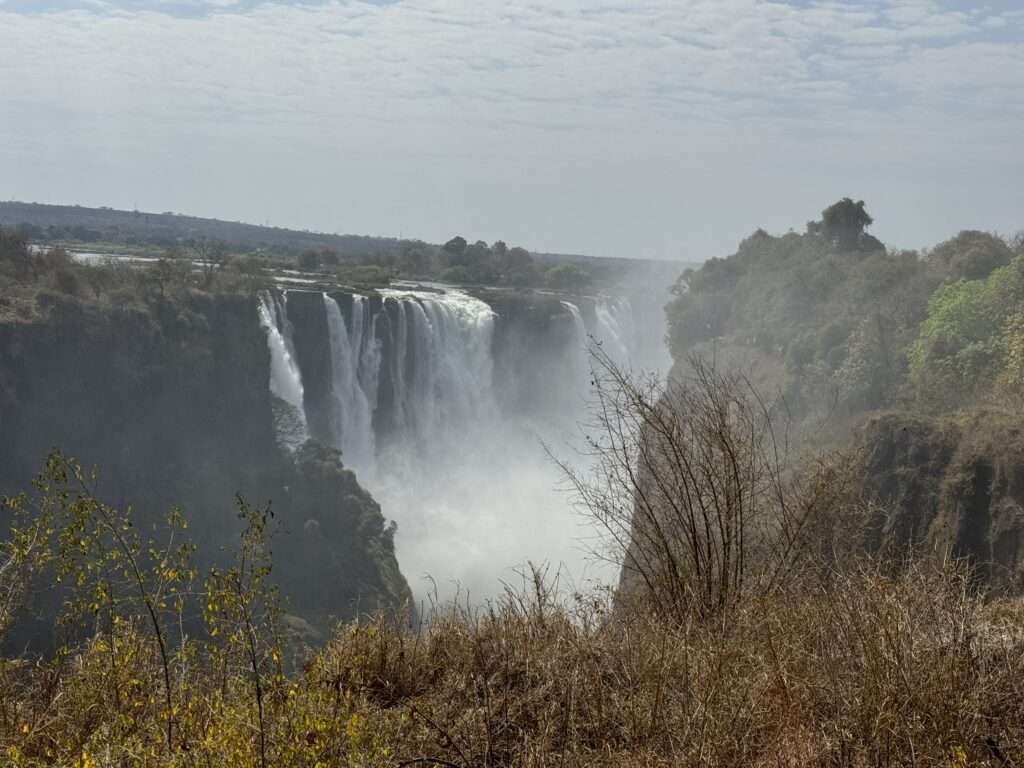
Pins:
x,y
843,223
971,255
209,255
456,246
243,613
693,487
111,569
518,267
309,260
518,258
165,274
14,250
414,262
568,277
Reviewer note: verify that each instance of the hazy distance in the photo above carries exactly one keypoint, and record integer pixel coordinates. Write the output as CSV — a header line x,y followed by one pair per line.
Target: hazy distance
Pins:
x,y
661,129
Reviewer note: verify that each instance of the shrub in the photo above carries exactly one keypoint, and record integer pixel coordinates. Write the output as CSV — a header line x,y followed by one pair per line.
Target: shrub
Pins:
x,y
861,668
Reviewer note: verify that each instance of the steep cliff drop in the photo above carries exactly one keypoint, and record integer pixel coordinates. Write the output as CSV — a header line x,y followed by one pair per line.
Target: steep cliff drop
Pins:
x,y
171,403
443,405
948,486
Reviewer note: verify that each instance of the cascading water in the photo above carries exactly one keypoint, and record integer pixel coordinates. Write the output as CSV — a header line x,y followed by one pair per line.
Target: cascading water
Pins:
x,y
285,379
413,406
579,354
353,419
614,328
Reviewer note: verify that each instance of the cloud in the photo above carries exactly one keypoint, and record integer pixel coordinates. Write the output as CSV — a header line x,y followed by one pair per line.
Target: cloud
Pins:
x,y
496,113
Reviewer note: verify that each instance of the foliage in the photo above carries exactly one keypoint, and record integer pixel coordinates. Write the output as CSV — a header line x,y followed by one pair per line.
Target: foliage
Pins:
x,y
839,326
128,593
843,662
567,277
693,485
210,256
203,266
855,334
15,257
843,224
242,614
971,255
309,260
855,671
968,341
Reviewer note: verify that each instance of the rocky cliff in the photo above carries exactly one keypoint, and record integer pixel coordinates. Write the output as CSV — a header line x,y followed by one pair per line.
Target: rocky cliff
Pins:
x,y
170,401
951,485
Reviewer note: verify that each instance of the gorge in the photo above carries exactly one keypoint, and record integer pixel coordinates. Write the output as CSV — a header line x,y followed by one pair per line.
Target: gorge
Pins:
x,y
443,403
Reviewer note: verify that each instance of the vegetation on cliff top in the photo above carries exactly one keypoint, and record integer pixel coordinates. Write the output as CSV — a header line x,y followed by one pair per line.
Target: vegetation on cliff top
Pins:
x,y
839,324
175,244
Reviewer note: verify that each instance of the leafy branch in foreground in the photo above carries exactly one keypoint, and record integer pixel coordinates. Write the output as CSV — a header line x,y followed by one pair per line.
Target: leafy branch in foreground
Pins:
x,y
113,572
242,614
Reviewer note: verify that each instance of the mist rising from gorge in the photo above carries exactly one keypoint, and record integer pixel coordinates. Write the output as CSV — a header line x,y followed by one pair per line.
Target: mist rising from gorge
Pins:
x,y
446,407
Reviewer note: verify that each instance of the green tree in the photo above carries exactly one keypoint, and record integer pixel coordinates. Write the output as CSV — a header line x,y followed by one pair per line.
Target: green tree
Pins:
x,y
14,250
309,260
971,255
843,223
456,246
111,570
243,615
568,277
969,331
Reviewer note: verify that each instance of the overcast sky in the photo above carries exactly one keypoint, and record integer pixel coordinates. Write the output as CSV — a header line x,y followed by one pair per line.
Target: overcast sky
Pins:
x,y
664,128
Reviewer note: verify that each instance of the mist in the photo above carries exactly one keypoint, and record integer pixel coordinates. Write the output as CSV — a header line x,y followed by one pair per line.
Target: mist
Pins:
x,y
454,414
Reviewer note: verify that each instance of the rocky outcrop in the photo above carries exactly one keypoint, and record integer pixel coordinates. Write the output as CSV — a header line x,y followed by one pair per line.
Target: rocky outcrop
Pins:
x,y
949,486
170,402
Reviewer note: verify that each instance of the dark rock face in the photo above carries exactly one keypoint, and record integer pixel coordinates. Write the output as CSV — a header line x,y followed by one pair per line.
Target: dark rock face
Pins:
x,y
343,544
535,352
949,486
312,351
171,403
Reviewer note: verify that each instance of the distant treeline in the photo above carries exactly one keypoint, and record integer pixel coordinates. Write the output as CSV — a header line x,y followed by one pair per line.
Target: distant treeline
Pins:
x,y
457,261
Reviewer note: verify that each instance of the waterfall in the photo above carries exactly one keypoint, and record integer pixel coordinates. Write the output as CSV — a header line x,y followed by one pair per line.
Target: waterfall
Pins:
x,y
438,364
285,379
614,328
580,356
406,388
577,321
445,380
369,350
352,428
400,339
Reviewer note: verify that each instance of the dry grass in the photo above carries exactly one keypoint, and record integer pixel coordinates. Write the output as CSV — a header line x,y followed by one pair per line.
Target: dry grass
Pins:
x,y
870,671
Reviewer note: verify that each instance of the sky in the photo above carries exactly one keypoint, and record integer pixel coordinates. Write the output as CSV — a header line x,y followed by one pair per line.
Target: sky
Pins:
x,y
638,128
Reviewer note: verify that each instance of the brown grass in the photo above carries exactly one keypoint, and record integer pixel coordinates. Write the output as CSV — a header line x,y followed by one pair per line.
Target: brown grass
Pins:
x,y
872,670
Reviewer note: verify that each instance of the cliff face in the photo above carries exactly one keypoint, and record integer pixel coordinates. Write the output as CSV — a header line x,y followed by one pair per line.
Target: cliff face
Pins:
x,y
950,485
171,403
536,352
